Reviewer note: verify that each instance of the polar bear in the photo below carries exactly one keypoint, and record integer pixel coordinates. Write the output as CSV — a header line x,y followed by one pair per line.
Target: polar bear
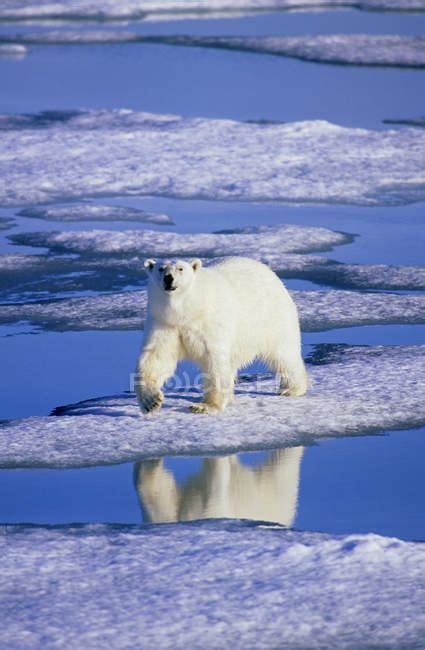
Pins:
x,y
221,317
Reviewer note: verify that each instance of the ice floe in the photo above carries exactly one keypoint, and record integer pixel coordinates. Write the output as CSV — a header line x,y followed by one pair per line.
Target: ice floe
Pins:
x,y
345,49
34,277
355,391
407,121
122,152
26,278
95,212
287,238
15,50
208,585
110,260
104,10
318,310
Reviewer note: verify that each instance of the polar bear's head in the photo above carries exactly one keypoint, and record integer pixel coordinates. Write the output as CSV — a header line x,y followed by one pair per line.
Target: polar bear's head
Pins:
x,y
172,276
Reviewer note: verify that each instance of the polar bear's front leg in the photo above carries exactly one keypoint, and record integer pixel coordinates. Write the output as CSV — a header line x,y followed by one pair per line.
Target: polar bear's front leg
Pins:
x,y
218,384
156,364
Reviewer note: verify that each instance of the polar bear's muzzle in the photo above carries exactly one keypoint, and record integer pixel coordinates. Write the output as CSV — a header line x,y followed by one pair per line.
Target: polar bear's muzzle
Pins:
x,y
168,282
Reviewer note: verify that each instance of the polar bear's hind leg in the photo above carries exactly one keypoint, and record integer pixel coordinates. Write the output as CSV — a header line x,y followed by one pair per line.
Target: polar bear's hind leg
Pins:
x,y
291,372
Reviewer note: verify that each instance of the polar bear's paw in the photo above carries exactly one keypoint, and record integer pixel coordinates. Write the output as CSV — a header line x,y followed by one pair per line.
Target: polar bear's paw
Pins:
x,y
293,391
150,402
203,407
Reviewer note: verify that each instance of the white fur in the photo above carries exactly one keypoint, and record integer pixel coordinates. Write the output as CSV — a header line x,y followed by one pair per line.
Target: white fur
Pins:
x,y
221,317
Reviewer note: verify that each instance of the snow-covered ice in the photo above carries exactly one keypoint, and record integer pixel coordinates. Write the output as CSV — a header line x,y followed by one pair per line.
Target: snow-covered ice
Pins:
x,y
208,585
122,152
318,310
346,49
13,49
111,260
80,10
355,391
26,277
287,238
95,212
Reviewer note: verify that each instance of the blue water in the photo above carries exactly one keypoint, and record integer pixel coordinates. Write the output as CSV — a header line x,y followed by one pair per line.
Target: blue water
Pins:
x,y
195,82
372,484
348,485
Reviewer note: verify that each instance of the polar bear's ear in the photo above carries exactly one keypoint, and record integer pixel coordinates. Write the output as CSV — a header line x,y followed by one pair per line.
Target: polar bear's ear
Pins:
x,y
149,264
196,264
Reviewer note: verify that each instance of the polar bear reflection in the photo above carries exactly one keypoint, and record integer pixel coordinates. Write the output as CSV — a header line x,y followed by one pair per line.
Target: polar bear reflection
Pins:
x,y
223,487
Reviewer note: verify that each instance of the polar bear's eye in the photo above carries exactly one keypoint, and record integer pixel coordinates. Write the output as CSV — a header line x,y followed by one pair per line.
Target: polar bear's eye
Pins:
x,y
180,268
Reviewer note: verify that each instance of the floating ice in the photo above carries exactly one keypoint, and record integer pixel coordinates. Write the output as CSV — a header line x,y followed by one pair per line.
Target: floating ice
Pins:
x,y
42,120
123,153
95,212
34,277
118,311
352,276
26,278
347,49
110,260
101,10
12,49
100,268
208,585
412,121
318,310
287,238
355,391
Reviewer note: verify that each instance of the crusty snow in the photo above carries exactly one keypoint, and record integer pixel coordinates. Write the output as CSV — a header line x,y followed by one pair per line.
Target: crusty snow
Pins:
x,y
355,391
174,9
208,585
122,152
94,212
287,238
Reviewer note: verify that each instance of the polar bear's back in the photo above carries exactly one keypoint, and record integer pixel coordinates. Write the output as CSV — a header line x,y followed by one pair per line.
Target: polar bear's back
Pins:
x,y
254,283
266,313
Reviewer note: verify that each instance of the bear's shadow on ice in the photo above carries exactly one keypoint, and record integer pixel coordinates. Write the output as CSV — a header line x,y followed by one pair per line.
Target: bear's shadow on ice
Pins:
x,y
125,405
